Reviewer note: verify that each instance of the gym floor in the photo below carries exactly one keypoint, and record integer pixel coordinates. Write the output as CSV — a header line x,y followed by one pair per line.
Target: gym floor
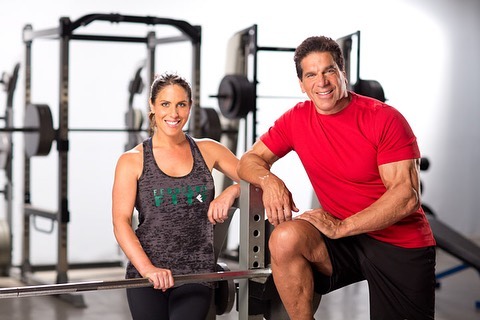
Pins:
x,y
456,298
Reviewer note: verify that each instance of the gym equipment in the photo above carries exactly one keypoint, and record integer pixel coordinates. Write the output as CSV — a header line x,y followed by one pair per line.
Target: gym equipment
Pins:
x,y
9,81
5,248
210,124
64,32
224,297
237,93
451,241
236,96
39,141
5,151
455,244
369,88
263,299
73,287
134,116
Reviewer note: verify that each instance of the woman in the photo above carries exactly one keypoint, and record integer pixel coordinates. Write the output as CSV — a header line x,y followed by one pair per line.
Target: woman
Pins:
x,y
168,180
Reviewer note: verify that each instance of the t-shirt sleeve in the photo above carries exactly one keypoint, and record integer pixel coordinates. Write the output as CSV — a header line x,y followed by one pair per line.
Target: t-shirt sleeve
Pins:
x,y
278,137
396,141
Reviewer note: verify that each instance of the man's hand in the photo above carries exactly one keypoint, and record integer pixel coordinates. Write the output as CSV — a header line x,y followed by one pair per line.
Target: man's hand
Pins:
x,y
323,221
277,200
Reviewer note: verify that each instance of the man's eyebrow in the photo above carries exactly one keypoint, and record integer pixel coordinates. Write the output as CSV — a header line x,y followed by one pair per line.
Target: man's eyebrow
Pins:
x,y
332,66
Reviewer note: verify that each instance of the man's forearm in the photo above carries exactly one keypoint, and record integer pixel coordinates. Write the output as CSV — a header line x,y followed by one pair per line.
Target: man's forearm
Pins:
x,y
253,169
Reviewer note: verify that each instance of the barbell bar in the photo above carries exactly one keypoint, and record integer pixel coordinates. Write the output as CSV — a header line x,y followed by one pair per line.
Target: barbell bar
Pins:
x,y
73,287
36,129
40,134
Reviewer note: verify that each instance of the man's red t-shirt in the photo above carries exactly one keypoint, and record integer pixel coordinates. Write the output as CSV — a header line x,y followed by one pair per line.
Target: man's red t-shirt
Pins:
x,y
341,154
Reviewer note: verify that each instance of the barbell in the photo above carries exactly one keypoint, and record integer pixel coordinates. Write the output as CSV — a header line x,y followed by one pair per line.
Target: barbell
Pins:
x,y
40,134
75,287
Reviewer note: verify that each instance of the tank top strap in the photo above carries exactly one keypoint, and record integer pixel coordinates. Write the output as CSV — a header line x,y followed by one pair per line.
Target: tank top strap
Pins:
x,y
199,161
148,159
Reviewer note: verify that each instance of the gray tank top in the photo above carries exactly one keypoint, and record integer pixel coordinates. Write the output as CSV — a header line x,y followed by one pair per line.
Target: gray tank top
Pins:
x,y
172,211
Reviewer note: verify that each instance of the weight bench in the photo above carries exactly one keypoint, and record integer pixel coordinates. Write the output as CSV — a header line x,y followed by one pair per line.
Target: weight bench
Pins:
x,y
458,246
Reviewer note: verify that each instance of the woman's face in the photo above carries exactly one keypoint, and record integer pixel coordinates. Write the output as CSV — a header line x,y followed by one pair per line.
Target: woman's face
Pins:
x,y
172,109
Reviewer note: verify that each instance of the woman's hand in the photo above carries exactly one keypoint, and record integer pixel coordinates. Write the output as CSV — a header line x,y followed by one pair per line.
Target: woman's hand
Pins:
x,y
161,278
219,207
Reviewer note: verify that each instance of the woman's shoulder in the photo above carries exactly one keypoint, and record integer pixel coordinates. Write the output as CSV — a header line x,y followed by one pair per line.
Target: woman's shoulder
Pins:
x,y
132,156
208,144
212,148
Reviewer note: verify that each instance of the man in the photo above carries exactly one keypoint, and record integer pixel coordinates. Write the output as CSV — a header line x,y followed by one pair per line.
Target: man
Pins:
x,y
362,159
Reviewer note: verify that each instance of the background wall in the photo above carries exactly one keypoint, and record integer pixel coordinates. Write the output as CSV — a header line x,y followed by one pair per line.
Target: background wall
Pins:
x,y
424,53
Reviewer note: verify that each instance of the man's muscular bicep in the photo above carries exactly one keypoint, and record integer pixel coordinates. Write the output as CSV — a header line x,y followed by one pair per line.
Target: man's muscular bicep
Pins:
x,y
405,172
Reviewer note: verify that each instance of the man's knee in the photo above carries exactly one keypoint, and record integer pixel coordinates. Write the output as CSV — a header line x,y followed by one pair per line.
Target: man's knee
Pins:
x,y
287,238
299,238
281,241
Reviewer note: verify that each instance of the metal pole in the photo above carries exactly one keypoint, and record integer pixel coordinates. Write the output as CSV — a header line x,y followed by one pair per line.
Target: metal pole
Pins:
x,y
73,287
25,264
194,125
62,145
252,242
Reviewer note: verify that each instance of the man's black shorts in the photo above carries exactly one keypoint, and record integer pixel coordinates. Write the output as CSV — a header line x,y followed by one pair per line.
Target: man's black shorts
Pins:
x,y
401,281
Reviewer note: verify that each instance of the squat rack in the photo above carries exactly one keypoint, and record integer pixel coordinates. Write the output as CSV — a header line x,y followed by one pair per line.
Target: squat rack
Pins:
x,y
65,32
248,49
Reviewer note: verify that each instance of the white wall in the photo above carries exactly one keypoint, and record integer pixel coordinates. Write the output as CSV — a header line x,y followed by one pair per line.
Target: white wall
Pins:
x,y
424,53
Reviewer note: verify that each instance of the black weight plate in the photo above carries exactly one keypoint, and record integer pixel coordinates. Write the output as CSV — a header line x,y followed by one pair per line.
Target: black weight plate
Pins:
x,y
370,88
226,96
38,143
224,293
5,245
210,125
236,96
246,98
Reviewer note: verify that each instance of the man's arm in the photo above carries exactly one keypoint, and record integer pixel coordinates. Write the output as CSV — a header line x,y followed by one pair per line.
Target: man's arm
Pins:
x,y
402,198
254,167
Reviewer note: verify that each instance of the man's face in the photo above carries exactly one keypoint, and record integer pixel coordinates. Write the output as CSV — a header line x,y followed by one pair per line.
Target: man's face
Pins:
x,y
324,83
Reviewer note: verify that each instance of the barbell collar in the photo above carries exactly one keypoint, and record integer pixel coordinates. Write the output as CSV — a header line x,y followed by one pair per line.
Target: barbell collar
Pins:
x,y
73,287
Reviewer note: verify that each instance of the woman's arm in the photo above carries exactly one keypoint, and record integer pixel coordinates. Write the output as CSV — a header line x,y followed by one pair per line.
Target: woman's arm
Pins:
x,y
124,191
219,157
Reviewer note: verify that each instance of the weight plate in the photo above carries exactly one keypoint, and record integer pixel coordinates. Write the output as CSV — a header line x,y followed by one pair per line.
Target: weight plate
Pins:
x,y
5,149
210,126
226,96
5,245
236,96
224,293
370,88
134,119
38,143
